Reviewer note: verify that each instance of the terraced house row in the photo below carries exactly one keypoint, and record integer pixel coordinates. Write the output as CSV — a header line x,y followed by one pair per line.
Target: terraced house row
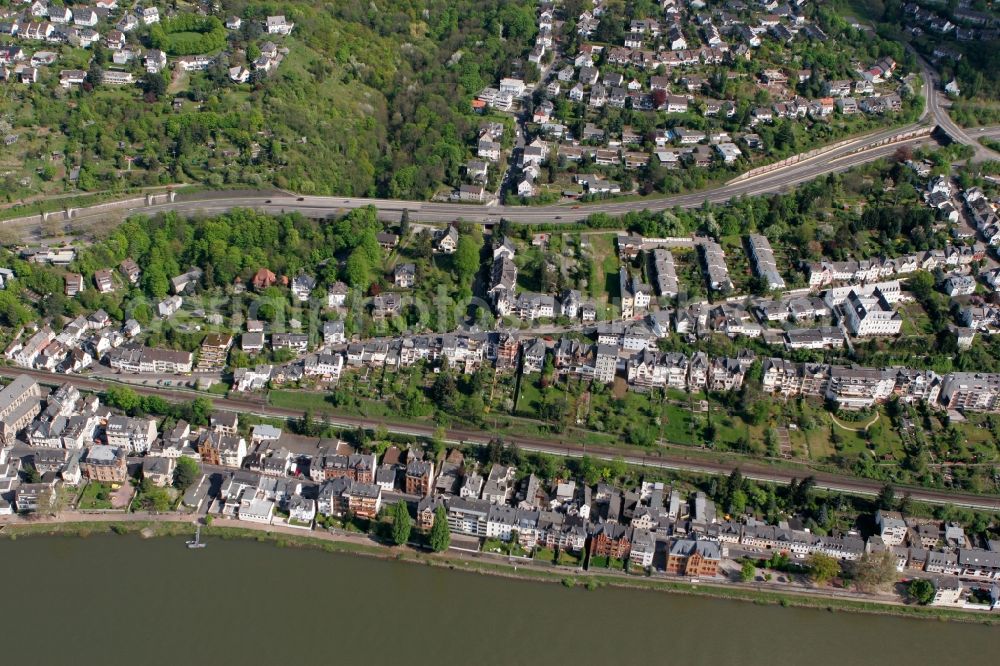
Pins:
x,y
855,387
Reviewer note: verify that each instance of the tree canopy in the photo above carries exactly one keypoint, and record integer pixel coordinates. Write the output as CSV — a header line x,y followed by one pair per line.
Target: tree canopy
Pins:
x,y
188,34
440,537
401,523
920,590
186,473
822,568
874,571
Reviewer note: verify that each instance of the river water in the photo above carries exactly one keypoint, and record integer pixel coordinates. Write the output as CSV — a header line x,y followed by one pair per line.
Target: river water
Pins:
x,y
123,600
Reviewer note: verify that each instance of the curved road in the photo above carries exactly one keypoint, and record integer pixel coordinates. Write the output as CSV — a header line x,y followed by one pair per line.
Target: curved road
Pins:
x,y
939,115
670,461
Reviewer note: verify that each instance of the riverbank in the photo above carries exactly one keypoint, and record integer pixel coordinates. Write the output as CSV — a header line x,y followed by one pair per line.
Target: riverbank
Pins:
x,y
177,526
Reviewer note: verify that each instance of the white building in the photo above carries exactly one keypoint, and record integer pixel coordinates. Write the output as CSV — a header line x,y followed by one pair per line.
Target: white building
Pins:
x,y
149,15
277,25
169,306
134,435
891,527
871,315
605,363
257,510
512,87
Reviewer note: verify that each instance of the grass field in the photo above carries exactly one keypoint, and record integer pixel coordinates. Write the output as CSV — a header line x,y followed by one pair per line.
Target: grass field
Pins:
x,y
319,403
606,259
89,500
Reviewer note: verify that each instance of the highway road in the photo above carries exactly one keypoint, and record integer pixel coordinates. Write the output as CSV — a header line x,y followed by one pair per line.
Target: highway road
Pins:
x,y
977,133
661,459
854,153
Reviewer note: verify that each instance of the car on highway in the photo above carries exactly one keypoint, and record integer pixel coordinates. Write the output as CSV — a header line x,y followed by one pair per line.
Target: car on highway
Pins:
x,y
301,199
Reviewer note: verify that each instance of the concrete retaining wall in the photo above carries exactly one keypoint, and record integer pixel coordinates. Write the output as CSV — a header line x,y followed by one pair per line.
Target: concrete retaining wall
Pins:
x,y
71,213
817,152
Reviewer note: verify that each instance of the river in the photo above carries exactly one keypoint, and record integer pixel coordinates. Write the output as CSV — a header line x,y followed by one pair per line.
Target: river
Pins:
x,y
123,600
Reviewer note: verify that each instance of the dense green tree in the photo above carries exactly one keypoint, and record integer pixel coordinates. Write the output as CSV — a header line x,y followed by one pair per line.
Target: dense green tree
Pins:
x,y
186,472
440,537
358,271
920,590
874,571
438,441
123,398
152,498
154,85
822,568
887,497
402,524
466,259
154,404
12,312
201,409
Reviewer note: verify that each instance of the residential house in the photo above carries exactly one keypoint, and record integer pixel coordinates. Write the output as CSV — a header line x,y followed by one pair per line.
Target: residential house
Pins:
x,y
216,448
104,281
302,287
74,284
159,470
336,295
277,25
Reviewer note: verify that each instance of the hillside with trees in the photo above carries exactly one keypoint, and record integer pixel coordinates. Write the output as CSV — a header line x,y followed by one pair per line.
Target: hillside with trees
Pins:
x,y
364,93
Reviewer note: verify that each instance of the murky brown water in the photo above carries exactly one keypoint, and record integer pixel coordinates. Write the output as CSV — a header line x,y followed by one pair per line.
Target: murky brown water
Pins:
x,y
123,600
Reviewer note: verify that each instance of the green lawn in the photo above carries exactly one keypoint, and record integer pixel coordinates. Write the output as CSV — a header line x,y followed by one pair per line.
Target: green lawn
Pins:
x,y
299,400
915,320
598,562
530,395
546,555
319,404
677,425
95,496
219,388
602,249
568,559
512,548
493,546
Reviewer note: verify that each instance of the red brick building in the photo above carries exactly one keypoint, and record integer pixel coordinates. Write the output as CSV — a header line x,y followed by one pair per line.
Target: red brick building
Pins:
x,y
419,477
689,557
610,540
